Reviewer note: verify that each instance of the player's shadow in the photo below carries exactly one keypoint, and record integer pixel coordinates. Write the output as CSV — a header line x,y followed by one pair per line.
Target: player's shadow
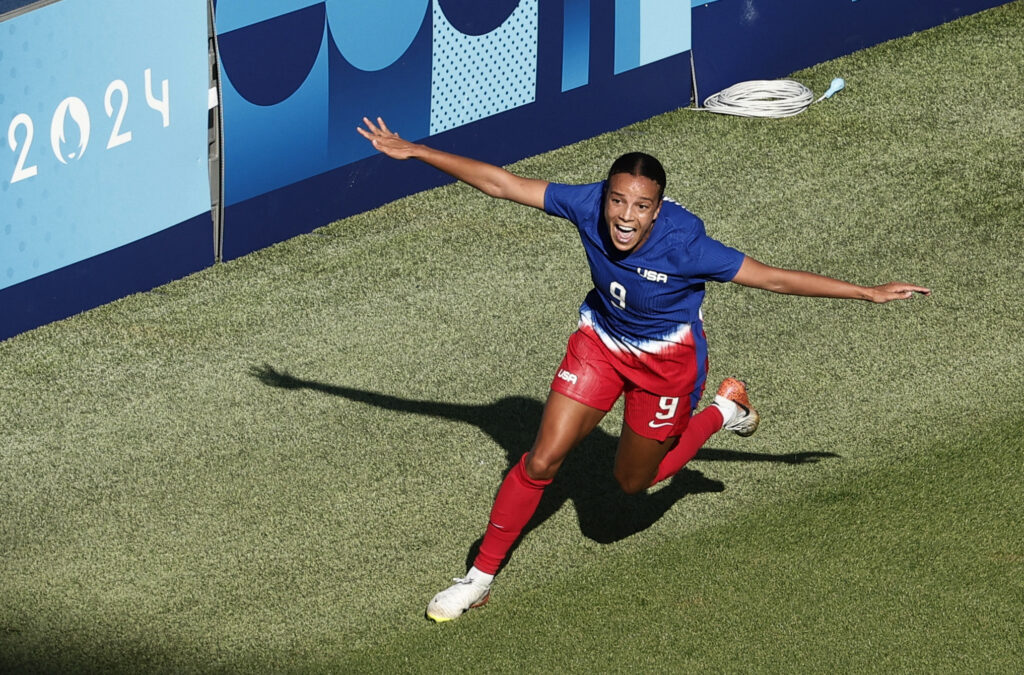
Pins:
x,y
605,513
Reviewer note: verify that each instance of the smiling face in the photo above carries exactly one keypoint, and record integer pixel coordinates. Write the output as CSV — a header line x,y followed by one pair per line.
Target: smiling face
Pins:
x,y
631,205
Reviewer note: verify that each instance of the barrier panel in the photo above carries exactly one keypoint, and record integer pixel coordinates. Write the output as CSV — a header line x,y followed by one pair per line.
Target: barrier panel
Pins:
x,y
104,182
10,6
499,80
738,40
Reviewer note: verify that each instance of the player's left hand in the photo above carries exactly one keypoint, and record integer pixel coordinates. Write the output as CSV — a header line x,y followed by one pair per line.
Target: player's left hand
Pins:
x,y
896,290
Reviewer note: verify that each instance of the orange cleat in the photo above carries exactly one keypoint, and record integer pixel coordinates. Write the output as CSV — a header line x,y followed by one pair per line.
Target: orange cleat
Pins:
x,y
734,403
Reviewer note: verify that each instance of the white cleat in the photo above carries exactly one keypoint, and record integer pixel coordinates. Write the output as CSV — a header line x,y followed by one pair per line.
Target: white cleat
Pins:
x,y
467,593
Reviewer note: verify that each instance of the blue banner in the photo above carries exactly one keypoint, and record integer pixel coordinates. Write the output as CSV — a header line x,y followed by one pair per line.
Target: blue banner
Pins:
x,y
104,121
499,79
299,75
738,40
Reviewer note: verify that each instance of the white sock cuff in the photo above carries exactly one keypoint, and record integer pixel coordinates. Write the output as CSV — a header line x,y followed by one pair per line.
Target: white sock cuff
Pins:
x,y
475,574
727,408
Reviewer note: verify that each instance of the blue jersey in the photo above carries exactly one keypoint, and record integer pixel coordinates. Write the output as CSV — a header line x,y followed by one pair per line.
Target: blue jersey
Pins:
x,y
648,299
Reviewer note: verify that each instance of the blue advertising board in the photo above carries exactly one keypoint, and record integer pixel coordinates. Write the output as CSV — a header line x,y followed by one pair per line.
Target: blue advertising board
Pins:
x,y
105,145
9,6
738,40
500,80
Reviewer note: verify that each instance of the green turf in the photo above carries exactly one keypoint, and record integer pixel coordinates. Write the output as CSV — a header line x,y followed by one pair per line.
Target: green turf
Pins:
x,y
273,464
914,569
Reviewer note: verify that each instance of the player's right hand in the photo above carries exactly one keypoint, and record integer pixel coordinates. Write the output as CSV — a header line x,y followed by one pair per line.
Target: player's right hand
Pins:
x,y
385,140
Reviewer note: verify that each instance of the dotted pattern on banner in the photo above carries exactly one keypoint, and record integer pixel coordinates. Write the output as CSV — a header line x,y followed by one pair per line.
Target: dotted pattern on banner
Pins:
x,y
476,76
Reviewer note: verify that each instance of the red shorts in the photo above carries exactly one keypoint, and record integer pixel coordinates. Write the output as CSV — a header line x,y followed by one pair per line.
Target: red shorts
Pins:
x,y
595,376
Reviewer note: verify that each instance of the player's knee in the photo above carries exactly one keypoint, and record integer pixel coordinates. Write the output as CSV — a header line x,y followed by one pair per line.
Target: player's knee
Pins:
x,y
540,468
632,483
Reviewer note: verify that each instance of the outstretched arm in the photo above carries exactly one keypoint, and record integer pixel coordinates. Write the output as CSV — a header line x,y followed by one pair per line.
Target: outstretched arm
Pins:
x,y
758,275
489,179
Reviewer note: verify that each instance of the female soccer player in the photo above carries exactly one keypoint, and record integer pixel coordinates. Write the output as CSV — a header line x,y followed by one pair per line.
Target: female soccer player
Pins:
x,y
640,335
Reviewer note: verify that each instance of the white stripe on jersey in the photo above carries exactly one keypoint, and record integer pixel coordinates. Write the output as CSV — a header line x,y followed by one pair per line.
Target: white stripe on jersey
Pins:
x,y
635,347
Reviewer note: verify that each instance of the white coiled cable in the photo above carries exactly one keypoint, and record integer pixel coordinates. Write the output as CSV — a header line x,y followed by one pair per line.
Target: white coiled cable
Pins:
x,y
766,98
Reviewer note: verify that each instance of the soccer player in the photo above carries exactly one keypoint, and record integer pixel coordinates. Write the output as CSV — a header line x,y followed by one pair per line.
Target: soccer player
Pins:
x,y
640,336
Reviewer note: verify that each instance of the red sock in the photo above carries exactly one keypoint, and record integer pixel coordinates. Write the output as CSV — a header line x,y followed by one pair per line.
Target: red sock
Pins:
x,y
515,504
701,427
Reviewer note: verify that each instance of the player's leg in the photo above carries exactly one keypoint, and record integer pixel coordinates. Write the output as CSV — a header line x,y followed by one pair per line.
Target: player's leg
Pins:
x,y
656,431
638,458
649,457
731,410
582,392
700,428
584,388
564,424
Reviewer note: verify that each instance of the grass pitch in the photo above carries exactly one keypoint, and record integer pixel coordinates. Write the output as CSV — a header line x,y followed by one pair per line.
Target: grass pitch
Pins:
x,y
273,464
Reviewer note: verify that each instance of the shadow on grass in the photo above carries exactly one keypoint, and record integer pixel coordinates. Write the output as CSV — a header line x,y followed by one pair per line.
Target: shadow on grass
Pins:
x,y
605,513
